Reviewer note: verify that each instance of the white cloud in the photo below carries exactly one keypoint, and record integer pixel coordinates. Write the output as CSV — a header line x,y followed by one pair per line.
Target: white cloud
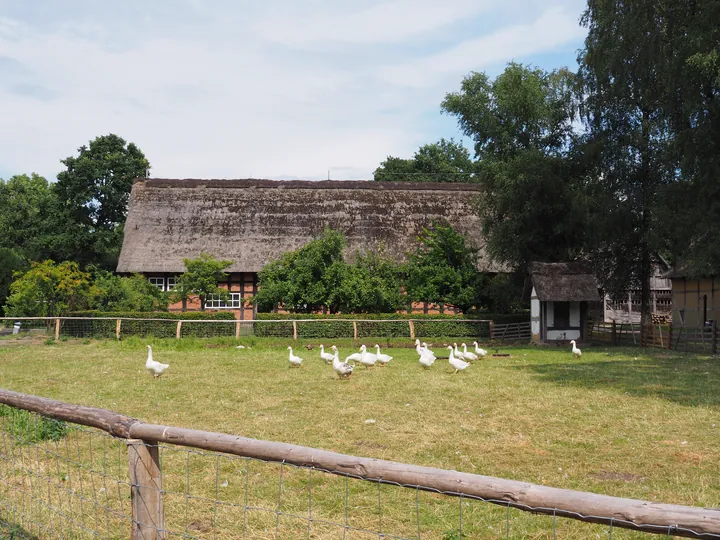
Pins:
x,y
208,95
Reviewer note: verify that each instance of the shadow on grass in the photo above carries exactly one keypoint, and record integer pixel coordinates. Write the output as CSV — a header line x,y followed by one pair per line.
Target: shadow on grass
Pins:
x,y
12,531
685,380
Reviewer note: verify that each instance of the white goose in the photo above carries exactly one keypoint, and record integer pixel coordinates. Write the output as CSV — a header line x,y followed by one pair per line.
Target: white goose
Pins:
x,y
294,360
425,360
480,352
456,363
325,356
470,356
156,368
424,349
367,359
383,359
343,369
355,357
458,354
577,353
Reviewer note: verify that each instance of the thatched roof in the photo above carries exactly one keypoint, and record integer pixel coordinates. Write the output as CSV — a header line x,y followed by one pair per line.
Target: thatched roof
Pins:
x,y
251,222
564,282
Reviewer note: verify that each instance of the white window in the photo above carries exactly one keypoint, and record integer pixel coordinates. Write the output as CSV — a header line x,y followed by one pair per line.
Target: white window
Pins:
x,y
158,282
234,300
171,282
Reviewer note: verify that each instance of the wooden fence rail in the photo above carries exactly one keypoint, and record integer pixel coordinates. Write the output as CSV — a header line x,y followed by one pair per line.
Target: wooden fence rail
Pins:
x,y
702,339
145,475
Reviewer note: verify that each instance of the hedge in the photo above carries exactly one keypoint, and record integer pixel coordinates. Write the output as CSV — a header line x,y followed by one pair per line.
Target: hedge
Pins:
x,y
98,328
341,326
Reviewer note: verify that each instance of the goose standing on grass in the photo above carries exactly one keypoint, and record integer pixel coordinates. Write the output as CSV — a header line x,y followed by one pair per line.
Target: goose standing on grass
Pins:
x,y
383,359
295,361
480,352
423,349
367,359
156,368
326,356
458,354
456,363
354,357
425,360
577,353
469,356
343,369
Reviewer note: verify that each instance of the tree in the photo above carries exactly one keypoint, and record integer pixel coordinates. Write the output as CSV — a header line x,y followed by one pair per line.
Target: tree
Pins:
x,y
135,293
32,223
305,280
443,161
10,264
372,284
48,290
532,208
95,188
623,69
201,279
442,269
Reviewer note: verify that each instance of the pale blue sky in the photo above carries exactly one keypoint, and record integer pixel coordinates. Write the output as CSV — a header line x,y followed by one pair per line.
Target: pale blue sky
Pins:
x,y
235,89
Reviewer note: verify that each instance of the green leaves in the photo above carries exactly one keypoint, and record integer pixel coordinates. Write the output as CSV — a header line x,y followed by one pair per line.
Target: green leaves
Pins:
x,y
201,279
48,290
444,161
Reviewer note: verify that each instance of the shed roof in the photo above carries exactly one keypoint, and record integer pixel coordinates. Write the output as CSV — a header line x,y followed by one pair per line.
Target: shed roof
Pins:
x,y
252,222
564,282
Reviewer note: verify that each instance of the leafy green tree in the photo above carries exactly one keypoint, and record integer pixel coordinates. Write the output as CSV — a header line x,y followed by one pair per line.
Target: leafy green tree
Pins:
x,y
48,290
135,293
443,161
533,205
95,188
10,264
201,279
305,280
442,269
623,76
32,223
372,284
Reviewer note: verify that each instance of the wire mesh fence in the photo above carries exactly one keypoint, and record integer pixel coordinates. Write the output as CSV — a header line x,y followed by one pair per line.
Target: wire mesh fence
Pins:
x,y
701,339
64,480
107,328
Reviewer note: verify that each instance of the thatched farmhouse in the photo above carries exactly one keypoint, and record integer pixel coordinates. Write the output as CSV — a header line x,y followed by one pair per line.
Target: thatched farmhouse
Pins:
x,y
561,297
252,222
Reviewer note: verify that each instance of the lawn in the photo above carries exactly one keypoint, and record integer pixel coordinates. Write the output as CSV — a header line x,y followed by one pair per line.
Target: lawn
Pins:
x,y
624,422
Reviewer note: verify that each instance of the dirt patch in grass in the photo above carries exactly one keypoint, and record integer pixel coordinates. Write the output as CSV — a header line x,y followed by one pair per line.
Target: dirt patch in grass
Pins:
x,y
622,476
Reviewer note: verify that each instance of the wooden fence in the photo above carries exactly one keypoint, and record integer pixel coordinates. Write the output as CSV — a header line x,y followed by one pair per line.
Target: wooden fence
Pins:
x,y
147,493
703,340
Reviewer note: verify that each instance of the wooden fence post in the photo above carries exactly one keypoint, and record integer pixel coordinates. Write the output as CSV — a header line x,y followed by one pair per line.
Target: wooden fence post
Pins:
x,y
295,330
411,325
178,330
237,330
670,336
492,330
354,329
57,328
148,515
118,324
714,338
613,335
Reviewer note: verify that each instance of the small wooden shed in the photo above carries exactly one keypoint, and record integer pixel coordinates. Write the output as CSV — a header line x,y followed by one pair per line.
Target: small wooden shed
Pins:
x,y
559,300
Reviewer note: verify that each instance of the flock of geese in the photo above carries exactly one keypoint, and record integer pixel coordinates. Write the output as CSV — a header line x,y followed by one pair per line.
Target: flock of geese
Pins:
x,y
459,360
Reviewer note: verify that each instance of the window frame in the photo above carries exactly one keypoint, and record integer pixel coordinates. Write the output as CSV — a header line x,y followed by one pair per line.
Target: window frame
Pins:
x,y
153,280
235,301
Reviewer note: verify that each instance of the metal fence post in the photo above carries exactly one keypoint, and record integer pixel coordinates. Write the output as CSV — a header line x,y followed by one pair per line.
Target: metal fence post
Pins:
x,y
148,515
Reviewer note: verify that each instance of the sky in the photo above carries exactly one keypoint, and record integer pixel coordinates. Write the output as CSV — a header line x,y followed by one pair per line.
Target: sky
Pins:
x,y
244,89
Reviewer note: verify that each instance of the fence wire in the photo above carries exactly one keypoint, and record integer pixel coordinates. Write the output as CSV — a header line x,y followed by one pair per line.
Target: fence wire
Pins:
x,y
109,328
59,480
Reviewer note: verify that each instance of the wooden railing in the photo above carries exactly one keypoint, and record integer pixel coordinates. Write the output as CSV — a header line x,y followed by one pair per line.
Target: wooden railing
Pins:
x,y
703,339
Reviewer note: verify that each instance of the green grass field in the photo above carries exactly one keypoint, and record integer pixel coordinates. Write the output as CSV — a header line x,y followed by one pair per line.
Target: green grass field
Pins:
x,y
624,422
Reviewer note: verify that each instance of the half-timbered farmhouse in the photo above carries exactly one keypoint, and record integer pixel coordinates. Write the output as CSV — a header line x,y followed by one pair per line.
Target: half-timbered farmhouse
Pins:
x,y
252,222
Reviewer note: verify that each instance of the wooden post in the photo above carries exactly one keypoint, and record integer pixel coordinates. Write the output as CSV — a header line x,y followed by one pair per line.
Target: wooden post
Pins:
x,y
411,325
237,330
662,344
492,330
670,336
295,330
354,329
118,324
57,328
613,335
714,338
148,515
178,330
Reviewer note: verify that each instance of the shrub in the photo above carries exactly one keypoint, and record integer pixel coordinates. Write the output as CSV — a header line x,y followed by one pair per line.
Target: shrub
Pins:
x,y
28,428
156,324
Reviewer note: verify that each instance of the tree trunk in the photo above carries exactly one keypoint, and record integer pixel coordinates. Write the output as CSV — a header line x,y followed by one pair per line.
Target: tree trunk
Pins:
x,y
202,303
647,186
